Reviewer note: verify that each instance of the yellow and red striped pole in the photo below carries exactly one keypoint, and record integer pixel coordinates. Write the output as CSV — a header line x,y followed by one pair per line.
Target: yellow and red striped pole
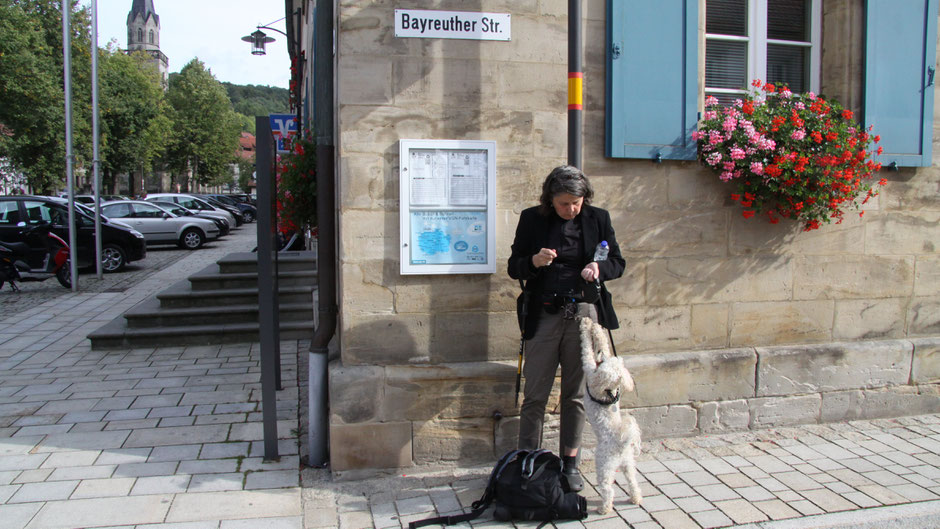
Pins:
x,y
575,84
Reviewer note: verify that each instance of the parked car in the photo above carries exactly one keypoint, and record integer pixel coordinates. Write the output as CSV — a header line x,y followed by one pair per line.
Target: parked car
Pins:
x,y
193,203
249,213
119,244
244,198
176,209
160,226
239,219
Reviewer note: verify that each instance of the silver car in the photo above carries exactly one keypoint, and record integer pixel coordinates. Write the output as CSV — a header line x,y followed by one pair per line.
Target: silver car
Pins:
x,y
160,226
193,203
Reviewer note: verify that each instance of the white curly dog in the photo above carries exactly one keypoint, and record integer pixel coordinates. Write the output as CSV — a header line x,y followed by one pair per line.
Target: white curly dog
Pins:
x,y
618,436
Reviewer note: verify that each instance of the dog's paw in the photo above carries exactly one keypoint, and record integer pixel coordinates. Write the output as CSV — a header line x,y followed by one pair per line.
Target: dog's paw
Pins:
x,y
604,509
636,498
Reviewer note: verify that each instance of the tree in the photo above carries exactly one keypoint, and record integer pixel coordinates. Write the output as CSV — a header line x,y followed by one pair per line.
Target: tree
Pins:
x,y
134,126
32,95
205,128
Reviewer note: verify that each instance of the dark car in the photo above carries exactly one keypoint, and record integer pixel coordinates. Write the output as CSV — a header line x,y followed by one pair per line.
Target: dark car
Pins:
x,y
244,198
234,210
119,244
249,212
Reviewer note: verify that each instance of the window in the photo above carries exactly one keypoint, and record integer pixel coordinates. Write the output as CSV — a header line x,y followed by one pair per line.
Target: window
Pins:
x,y
117,211
140,35
148,211
9,212
777,41
151,36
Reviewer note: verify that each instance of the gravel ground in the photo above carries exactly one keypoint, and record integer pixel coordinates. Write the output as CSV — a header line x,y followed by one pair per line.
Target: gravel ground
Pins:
x,y
158,258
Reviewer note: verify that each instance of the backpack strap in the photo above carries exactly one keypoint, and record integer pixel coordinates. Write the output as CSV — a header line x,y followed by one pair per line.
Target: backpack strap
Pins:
x,y
478,506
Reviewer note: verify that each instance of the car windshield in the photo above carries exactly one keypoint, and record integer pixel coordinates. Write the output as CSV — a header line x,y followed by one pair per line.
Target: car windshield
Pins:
x,y
225,200
175,209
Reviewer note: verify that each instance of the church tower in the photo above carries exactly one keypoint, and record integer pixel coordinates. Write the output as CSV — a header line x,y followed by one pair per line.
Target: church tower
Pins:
x,y
143,34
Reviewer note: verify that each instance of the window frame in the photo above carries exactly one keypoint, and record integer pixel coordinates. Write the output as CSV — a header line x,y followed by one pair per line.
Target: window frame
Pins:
x,y
757,43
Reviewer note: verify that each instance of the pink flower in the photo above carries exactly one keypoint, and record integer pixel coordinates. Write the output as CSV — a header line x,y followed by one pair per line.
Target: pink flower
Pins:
x,y
725,176
786,93
798,134
710,115
711,100
799,105
757,168
737,153
697,135
811,96
713,158
714,137
729,166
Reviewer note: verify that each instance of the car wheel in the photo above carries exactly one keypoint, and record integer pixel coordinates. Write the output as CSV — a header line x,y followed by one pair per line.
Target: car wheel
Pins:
x,y
113,258
248,216
192,239
64,274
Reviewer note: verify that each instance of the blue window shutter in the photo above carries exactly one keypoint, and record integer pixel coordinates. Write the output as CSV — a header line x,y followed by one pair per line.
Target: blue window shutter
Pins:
x,y
900,55
652,78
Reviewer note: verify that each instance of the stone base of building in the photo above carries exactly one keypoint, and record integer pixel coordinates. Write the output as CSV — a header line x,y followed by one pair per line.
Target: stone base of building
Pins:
x,y
393,417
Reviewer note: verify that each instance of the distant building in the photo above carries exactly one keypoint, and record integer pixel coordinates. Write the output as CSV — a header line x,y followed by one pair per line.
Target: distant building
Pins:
x,y
143,34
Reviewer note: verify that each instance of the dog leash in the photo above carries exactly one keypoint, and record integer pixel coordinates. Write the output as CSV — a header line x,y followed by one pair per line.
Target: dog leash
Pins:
x,y
603,314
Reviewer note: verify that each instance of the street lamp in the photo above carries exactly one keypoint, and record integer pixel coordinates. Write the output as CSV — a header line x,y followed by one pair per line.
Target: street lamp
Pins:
x,y
258,40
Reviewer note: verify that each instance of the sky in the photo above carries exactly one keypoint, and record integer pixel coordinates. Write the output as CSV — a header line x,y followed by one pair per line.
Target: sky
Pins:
x,y
210,30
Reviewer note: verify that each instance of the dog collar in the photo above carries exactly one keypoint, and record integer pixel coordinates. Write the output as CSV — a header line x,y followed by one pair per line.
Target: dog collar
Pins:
x,y
611,398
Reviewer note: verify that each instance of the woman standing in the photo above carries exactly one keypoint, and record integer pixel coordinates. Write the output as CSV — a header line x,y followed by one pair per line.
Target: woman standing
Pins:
x,y
553,251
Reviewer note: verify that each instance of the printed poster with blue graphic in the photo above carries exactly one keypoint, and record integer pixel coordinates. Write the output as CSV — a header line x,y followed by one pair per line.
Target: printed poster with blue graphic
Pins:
x,y
448,237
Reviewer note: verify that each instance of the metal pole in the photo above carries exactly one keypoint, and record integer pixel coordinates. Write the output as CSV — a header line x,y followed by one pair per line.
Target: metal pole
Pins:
x,y
69,177
96,162
575,84
267,286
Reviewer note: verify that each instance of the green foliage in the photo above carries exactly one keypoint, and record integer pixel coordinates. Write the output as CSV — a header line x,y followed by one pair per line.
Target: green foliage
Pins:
x,y
205,128
32,99
134,126
255,100
246,169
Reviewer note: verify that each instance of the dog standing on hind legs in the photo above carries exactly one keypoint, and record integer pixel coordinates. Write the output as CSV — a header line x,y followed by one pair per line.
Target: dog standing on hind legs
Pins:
x,y
618,435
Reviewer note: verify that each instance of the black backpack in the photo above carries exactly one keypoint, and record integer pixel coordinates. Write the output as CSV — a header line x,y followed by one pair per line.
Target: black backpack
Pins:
x,y
524,485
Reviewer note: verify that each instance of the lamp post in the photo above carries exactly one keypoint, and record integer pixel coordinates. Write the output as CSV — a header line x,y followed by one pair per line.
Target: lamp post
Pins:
x,y
258,40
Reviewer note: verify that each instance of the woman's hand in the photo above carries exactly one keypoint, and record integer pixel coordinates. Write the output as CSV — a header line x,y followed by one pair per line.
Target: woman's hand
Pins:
x,y
544,257
590,272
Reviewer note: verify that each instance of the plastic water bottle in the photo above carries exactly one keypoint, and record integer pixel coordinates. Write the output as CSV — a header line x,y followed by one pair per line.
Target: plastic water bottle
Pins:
x,y
600,253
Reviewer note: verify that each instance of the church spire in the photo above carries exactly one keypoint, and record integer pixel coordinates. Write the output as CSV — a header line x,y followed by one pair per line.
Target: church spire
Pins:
x,y
145,9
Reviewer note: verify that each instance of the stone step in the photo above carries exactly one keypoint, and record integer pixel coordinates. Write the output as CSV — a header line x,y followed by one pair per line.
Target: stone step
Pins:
x,y
181,295
286,262
150,313
116,335
212,280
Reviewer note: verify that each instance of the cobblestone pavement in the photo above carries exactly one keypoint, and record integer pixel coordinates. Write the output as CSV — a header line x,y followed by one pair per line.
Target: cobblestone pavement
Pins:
x,y
170,438
835,475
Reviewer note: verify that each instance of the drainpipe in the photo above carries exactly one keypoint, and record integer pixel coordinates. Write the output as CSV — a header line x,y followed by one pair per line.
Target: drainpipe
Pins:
x,y
326,225
575,84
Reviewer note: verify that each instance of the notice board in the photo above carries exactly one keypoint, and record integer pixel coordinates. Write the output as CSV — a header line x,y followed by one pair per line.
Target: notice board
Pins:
x,y
448,206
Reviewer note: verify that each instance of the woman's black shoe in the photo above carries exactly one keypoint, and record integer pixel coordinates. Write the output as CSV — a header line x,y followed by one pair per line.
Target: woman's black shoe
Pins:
x,y
574,479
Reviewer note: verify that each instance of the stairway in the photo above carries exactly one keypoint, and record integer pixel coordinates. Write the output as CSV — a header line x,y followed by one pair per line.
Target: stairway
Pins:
x,y
218,304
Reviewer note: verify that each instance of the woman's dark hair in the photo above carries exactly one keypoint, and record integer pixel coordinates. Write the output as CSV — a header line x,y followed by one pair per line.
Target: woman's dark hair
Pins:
x,y
564,179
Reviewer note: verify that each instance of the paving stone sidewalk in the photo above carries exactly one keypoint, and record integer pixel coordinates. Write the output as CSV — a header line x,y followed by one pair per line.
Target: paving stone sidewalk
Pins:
x,y
170,438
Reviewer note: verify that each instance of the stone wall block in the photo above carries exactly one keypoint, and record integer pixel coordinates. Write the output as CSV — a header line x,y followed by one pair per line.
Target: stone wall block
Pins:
x,y
365,184
689,188
724,416
761,238
927,276
772,412
691,376
449,391
710,325
648,329
666,421
518,92
366,81
868,319
370,446
840,406
926,366
385,339
443,293
789,370
847,277
676,234
904,233
900,401
681,281
357,393
506,436
363,291
368,235
924,316
780,322
465,440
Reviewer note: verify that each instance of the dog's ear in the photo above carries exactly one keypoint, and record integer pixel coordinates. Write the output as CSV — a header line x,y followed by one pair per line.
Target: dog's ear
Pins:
x,y
627,379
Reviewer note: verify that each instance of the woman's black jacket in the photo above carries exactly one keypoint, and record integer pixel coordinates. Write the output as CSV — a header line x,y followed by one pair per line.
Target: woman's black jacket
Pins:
x,y
532,235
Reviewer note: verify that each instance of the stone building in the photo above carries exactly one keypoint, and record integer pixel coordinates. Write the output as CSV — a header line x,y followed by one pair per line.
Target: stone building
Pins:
x,y
729,323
